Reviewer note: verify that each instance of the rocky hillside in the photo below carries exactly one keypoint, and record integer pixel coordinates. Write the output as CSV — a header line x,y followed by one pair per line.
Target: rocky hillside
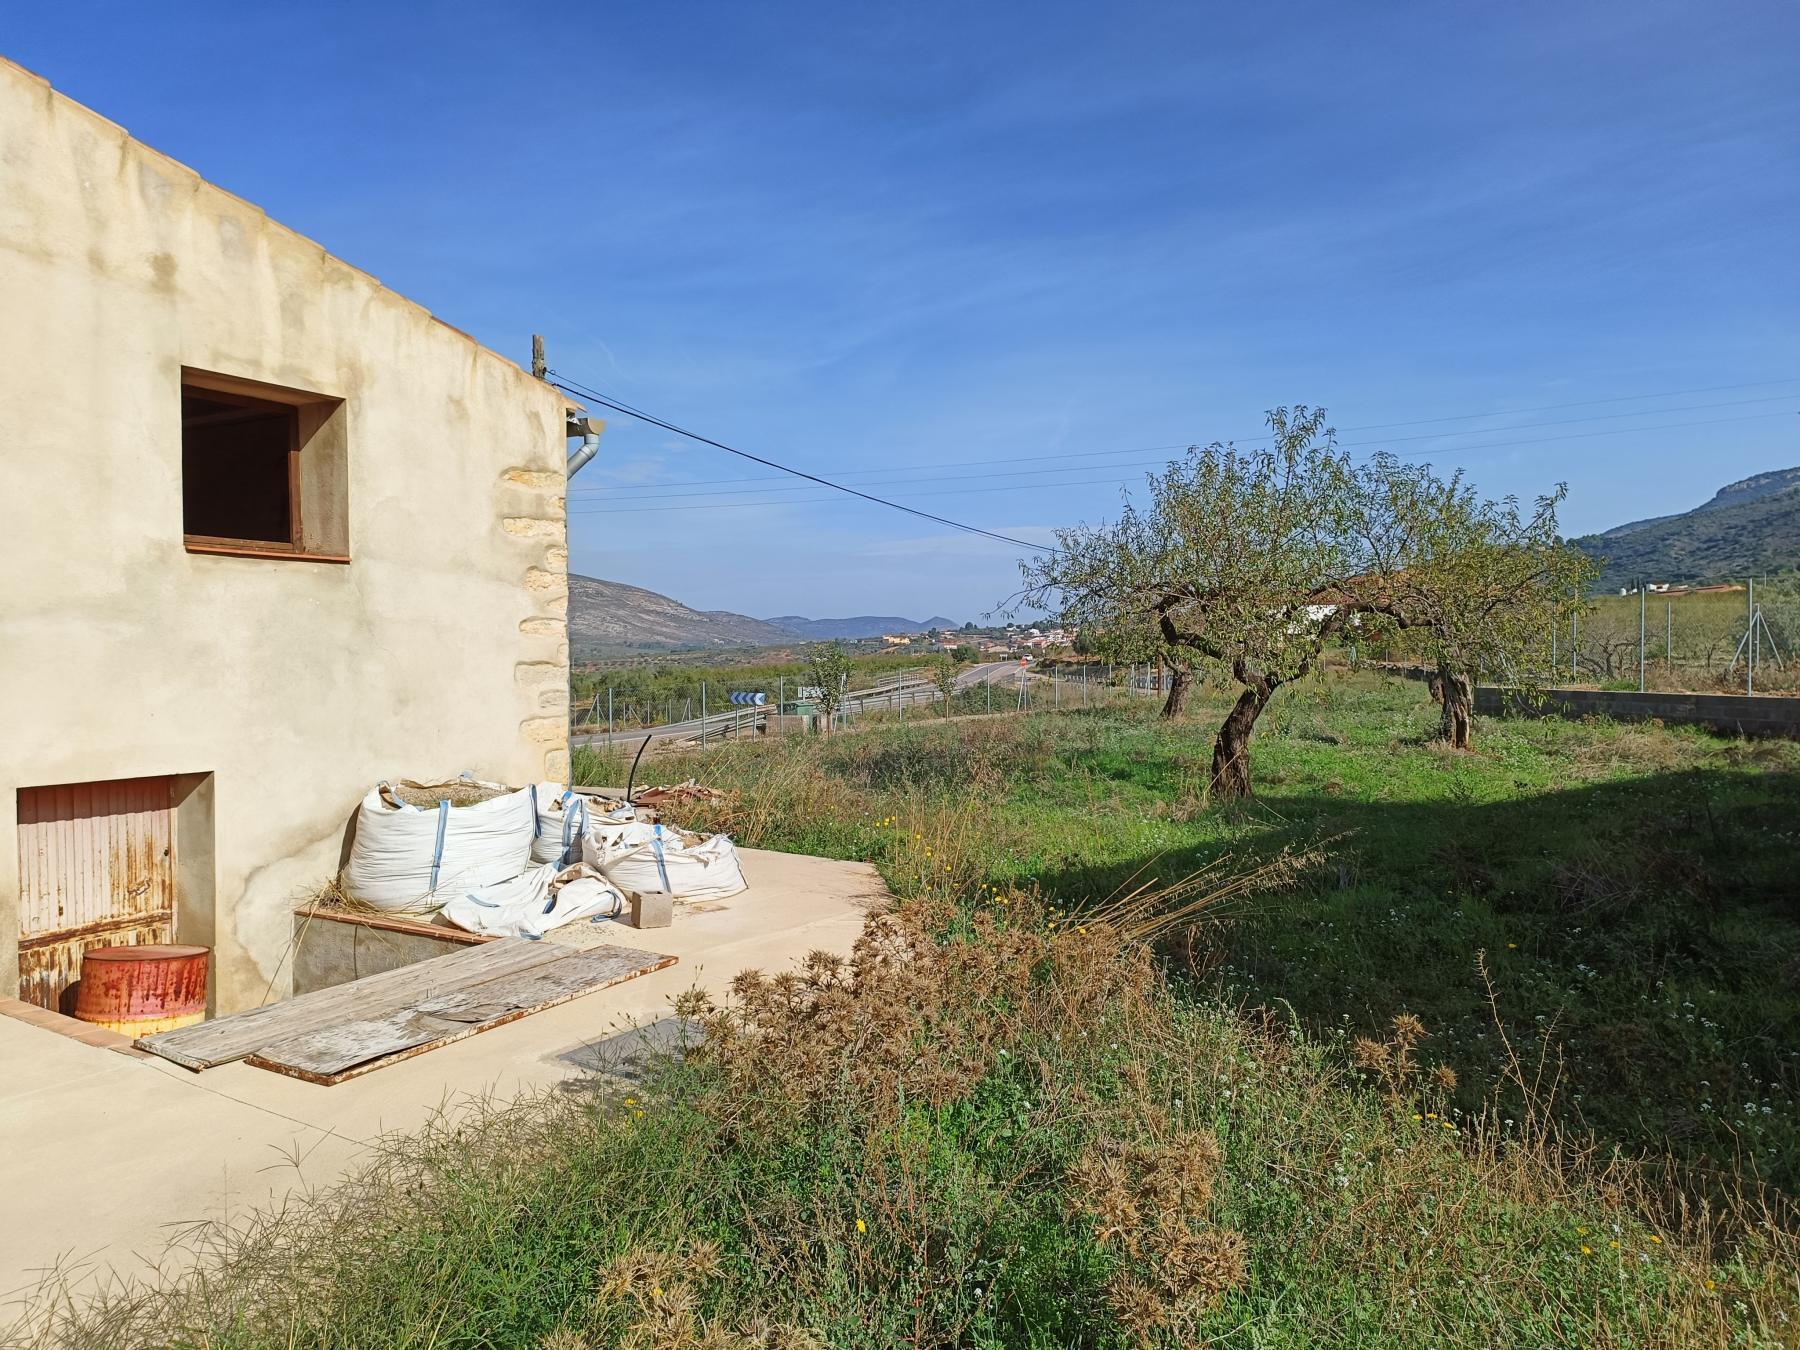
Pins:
x,y
609,618
858,626
1751,526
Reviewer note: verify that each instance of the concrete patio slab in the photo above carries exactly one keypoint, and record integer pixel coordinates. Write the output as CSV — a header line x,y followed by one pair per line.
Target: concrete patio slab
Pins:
x,y
110,1156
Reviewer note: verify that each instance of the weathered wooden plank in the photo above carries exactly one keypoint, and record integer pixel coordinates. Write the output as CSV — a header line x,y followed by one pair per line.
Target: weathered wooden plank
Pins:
x,y
322,1056
579,972
332,1054
232,1037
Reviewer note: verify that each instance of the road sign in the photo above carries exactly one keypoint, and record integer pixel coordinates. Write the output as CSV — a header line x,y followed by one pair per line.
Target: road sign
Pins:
x,y
746,698
809,691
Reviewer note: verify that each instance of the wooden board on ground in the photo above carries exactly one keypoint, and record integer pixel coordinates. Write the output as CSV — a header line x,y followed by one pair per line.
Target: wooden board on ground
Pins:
x,y
237,1035
350,1048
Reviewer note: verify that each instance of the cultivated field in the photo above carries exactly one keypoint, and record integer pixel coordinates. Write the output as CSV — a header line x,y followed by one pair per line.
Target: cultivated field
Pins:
x,y
1689,640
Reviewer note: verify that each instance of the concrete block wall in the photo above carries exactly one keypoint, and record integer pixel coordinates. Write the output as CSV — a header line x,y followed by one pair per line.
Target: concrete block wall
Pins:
x,y
274,690
1731,714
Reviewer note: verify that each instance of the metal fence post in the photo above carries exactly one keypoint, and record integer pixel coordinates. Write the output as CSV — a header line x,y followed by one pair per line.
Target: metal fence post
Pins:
x,y
1669,638
703,714
1643,611
609,717
1750,641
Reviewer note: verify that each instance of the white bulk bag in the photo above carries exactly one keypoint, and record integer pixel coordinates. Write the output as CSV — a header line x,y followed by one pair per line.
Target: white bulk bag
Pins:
x,y
404,856
609,830
560,818
531,905
641,857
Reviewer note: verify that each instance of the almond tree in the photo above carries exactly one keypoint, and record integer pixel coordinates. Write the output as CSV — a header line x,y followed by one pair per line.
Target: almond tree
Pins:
x,y
1225,564
1477,585
1139,638
829,665
943,675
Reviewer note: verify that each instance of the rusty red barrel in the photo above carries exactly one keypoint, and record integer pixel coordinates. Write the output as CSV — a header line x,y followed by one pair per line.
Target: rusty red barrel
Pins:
x,y
142,990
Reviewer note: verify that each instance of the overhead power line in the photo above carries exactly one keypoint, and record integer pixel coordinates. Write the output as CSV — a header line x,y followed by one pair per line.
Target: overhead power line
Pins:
x,y
927,464
923,468
801,501
1583,403
710,487
570,387
702,490
1021,487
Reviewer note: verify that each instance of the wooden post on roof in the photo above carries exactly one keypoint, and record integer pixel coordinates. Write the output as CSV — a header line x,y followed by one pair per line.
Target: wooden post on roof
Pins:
x,y
539,366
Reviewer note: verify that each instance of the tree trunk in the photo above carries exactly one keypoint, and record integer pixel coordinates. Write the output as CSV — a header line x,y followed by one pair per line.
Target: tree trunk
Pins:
x,y
1181,684
1231,752
1456,696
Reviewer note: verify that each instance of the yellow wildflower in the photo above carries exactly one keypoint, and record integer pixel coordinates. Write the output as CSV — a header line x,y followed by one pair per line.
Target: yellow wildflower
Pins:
x,y
861,1227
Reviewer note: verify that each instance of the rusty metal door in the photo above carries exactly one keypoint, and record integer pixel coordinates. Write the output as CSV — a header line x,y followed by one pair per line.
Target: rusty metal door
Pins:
x,y
96,869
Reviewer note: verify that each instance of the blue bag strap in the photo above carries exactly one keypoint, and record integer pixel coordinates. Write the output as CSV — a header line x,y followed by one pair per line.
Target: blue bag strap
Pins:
x,y
570,833
662,869
437,854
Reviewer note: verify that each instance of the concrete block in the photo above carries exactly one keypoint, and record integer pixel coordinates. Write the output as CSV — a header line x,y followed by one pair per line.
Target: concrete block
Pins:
x,y
652,909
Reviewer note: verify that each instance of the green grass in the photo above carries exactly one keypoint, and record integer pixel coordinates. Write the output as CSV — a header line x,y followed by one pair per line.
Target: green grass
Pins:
x,y
1632,887
1005,1124
1014,1138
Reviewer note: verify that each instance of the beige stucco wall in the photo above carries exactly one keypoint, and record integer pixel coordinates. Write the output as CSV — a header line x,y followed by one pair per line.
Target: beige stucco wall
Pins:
x,y
440,647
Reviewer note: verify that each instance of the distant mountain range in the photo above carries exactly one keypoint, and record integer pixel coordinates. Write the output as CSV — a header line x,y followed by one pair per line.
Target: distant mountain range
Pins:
x,y
609,618
861,626
1749,527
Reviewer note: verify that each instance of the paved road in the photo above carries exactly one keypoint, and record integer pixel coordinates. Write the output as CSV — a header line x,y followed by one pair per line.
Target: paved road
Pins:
x,y
1007,673
736,721
911,690
729,723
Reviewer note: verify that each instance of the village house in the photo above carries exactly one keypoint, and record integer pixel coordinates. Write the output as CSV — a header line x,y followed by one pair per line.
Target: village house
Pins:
x,y
272,533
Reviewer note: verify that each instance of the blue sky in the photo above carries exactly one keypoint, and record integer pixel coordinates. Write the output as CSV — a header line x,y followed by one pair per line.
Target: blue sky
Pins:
x,y
929,247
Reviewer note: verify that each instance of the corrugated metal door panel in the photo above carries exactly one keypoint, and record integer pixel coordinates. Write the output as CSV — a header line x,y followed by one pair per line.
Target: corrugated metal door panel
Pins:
x,y
96,868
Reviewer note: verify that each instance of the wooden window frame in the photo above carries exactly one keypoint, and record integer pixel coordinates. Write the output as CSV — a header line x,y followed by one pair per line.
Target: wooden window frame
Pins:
x,y
322,408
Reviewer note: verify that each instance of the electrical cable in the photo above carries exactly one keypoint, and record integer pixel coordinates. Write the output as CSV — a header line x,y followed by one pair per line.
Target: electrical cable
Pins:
x,y
1583,403
614,489
1022,487
570,387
